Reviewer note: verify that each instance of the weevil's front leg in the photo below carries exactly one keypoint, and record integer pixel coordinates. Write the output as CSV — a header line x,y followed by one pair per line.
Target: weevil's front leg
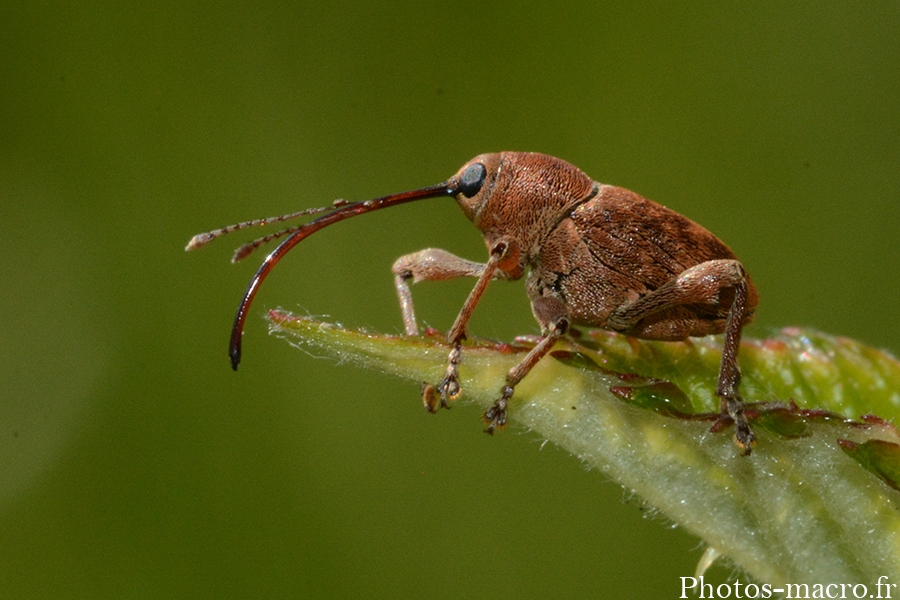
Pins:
x,y
702,284
553,316
431,264
449,388
434,264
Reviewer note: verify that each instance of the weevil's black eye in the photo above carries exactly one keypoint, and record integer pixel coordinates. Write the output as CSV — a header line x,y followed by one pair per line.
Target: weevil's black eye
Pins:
x,y
471,180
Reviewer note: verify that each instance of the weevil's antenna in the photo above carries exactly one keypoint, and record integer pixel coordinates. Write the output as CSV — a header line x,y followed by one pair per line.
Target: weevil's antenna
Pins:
x,y
244,251
298,234
201,239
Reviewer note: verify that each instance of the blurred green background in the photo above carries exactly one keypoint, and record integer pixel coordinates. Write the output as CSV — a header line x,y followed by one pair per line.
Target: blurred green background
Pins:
x,y
135,464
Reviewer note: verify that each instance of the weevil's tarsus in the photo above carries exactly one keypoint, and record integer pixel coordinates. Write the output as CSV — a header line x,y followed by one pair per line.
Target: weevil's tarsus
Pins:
x,y
449,388
495,416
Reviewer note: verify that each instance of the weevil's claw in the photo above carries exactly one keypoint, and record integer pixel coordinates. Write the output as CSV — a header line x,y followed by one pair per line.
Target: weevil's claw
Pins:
x,y
743,437
733,410
495,416
449,387
448,390
436,398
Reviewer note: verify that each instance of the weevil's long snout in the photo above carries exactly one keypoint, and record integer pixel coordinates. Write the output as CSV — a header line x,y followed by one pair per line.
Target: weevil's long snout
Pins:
x,y
298,234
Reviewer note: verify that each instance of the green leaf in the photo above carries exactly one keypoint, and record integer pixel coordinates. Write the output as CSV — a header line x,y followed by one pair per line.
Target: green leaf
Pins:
x,y
816,502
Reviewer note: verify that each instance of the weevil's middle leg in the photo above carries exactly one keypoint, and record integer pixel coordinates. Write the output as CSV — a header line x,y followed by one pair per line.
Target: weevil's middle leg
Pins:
x,y
553,316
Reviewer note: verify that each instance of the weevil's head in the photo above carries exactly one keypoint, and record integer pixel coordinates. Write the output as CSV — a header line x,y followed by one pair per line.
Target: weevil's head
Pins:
x,y
514,198
519,197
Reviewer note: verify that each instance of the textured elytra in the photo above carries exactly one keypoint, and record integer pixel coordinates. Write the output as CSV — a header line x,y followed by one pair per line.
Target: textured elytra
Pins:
x,y
597,247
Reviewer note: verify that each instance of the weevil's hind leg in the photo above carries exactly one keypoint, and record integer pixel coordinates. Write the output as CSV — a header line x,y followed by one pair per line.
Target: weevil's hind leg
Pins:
x,y
702,284
553,316
434,264
731,402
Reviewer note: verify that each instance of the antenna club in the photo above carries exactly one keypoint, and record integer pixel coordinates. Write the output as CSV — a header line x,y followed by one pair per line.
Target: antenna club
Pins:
x,y
242,252
201,239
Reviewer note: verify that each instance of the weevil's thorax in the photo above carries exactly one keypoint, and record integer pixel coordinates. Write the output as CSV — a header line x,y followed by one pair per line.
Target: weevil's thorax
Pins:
x,y
524,196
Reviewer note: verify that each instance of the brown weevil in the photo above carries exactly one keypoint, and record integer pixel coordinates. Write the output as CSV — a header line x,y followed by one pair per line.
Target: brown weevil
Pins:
x,y
595,255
